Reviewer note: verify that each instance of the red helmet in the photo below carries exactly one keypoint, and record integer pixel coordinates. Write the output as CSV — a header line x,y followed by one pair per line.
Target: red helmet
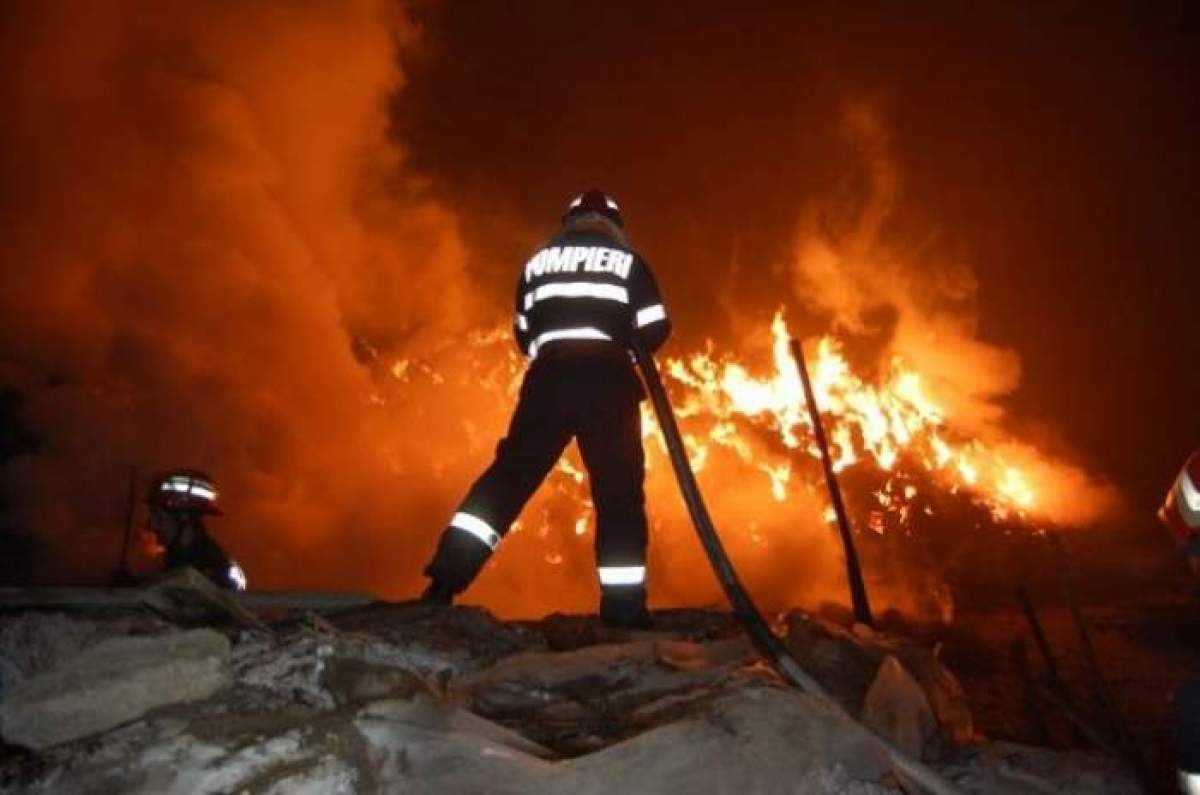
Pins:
x,y
183,490
595,201
1181,512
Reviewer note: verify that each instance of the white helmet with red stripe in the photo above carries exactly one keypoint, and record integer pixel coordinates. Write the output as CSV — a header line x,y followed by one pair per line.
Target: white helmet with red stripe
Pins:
x,y
1181,511
183,490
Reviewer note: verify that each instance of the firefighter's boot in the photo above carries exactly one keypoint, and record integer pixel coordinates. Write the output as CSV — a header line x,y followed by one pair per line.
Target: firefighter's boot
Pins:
x,y
625,608
456,563
437,594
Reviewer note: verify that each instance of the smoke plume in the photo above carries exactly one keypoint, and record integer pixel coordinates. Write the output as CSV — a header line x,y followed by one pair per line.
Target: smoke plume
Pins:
x,y
895,297
208,232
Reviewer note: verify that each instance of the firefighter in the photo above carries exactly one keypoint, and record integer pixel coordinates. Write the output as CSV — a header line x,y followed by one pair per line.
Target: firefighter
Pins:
x,y
178,501
580,301
1181,513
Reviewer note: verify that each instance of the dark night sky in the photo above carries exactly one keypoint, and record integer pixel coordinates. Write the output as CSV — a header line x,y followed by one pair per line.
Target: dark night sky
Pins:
x,y
1052,146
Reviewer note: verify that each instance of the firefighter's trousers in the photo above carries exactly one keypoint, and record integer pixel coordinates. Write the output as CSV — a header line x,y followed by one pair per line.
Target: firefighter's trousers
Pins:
x,y
1187,735
592,397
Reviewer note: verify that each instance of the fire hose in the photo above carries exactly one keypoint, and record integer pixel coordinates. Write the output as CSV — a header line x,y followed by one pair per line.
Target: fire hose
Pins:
x,y
769,644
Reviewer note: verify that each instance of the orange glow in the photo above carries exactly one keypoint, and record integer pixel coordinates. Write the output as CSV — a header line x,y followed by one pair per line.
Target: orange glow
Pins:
x,y
280,294
902,460
870,424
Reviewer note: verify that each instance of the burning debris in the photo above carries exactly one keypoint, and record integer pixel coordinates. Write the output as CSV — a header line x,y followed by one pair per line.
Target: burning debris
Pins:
x,y
917,482
891,426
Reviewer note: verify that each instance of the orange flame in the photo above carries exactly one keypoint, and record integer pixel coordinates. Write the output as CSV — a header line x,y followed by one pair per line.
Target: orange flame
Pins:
x,y
868,424
901,456
892,426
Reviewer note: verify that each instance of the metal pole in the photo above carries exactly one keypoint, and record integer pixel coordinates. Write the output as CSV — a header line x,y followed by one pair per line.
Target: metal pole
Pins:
x,y
858,588
1032,707
1100,690
761,634
1039,637
1054,680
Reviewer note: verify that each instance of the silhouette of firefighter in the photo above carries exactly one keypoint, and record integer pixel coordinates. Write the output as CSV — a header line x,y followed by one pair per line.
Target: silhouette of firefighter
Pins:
x,y
1181,513
178,500
580,300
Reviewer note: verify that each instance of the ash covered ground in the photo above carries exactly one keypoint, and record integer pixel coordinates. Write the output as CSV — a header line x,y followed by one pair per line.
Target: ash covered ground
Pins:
x,y
411,698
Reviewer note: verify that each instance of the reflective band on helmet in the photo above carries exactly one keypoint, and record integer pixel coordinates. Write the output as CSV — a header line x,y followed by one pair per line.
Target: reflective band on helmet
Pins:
x,y
578,200
1189,502
203,492
1189,783
606,292
476,527
651,314
237,576
186,485
587,333
612,205
522,322
622,575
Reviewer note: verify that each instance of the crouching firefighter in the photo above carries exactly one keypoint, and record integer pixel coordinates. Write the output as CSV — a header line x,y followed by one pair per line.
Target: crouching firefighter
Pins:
x,y
580,300
178,501
1181,513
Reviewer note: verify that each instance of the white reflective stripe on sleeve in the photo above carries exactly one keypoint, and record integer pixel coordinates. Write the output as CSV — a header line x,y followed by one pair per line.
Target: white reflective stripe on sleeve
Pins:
x,y
1189,783
622,575
651,314
476,527
522,322
1189,502
607,292
587,333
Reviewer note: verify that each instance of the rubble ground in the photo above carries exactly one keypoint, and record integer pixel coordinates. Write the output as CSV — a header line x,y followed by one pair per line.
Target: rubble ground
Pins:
x,y
407,697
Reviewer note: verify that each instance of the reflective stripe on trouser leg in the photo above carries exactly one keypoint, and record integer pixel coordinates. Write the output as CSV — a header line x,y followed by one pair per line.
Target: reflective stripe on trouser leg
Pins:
x,y
477,527
621,576
536,437
611,447
610,441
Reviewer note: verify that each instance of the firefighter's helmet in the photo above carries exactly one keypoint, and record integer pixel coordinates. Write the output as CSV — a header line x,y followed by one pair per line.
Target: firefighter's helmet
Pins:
x,y
183,490
595,201
1181,511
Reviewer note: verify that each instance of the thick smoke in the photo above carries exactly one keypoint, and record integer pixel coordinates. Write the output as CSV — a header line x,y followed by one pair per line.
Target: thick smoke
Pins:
x,y
207,234
892,296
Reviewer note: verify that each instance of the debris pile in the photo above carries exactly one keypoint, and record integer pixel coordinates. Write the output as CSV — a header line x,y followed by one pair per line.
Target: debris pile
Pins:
x,y
388,697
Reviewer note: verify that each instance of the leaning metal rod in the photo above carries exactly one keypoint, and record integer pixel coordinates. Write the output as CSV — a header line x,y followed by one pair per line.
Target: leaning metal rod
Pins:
x,y
768,643
1112,714
1039,637
858,588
